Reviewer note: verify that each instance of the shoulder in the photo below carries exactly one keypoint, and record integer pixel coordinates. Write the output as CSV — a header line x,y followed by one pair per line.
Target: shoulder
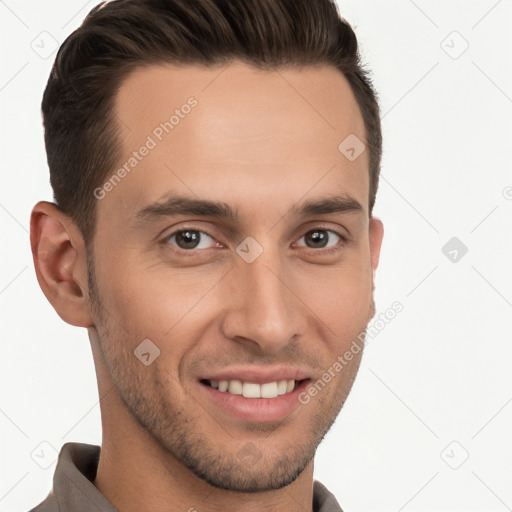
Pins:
x,y
324,500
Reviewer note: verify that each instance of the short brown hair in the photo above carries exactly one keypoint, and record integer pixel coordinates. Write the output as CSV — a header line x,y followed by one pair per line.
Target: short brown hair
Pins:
x,y
116,37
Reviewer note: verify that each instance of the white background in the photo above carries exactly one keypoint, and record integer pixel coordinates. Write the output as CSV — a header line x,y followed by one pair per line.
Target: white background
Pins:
x,y
439,372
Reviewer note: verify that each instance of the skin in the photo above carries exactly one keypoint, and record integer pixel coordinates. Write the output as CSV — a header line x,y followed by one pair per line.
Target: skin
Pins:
x,y
262,142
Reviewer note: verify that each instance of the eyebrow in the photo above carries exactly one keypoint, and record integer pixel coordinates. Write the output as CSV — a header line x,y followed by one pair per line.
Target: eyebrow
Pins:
x,y
182,205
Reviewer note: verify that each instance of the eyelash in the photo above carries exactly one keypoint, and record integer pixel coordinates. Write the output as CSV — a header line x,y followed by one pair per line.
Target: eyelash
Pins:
x,y
194,252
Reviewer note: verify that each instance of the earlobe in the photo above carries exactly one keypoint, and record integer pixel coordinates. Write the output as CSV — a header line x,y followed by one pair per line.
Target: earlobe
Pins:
x,y
60,262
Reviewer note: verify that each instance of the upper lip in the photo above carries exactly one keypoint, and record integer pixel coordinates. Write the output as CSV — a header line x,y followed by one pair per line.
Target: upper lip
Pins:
x,y
258,375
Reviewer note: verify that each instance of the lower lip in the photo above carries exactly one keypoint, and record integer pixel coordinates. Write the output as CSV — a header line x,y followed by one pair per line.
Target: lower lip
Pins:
x,y
257,409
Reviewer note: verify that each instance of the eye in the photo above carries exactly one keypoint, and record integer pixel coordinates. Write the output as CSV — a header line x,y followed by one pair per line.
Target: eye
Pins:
x,y
187,239
321,239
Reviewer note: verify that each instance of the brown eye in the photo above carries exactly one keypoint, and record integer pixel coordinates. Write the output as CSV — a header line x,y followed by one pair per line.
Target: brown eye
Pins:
x,y
321,239
188,239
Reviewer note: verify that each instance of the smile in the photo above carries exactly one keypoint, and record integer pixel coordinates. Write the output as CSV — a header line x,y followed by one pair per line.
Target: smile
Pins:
x,y
253,389
255,402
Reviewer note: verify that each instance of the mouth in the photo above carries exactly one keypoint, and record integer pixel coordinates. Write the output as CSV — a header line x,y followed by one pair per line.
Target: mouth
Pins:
x,y
254,402
270,390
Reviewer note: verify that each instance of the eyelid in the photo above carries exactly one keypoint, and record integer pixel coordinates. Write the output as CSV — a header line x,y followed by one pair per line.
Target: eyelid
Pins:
x,y
339,230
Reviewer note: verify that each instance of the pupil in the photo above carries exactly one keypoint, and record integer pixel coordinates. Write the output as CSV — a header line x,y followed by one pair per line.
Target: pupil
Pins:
x,y
187,239
317,236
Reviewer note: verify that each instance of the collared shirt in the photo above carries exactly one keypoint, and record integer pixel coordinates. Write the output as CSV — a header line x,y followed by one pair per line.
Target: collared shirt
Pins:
x,y
74,491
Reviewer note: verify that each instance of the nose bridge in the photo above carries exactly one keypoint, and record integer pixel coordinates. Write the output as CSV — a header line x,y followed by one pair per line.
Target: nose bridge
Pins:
x,y
264,308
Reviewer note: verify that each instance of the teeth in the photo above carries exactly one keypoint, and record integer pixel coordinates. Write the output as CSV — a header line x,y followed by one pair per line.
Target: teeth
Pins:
x,y
250,390
282,387
235,387
268,390
254,390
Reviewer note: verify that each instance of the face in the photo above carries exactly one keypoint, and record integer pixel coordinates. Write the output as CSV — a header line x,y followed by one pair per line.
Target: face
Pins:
x,y
239,243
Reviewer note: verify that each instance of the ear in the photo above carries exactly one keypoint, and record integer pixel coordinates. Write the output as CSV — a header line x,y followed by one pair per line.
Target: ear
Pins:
x,y
376,230
60,262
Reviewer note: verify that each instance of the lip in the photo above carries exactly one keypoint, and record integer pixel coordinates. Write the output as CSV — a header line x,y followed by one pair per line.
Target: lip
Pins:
x,y
258,375
256,409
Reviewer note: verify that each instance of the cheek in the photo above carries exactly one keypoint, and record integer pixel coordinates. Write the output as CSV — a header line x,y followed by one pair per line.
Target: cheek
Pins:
x,y
157,302
342,300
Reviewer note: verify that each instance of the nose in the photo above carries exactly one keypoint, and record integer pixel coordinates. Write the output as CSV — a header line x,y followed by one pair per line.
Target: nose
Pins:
x,y
264,308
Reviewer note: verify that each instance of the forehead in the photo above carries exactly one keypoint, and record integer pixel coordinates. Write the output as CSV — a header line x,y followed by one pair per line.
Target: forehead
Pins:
x,y
233,132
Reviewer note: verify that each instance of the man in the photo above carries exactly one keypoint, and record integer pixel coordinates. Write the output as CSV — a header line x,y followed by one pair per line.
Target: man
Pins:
x,y
215,166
